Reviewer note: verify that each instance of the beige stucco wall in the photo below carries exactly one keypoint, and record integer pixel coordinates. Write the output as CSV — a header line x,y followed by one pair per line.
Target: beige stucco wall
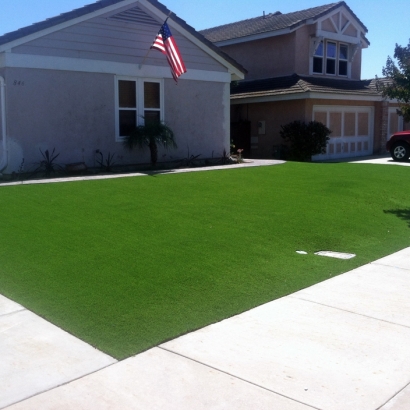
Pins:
x,y
74,113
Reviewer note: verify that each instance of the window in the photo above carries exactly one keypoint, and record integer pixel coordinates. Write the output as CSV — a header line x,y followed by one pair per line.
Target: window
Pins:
x,y
138,101
127,96
331,58
343,55
318,59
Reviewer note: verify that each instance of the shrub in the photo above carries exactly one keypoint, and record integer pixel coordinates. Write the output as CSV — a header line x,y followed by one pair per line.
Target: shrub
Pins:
x,y
304,139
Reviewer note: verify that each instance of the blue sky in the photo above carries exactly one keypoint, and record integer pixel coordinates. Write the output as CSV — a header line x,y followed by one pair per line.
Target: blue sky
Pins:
x,y
387,21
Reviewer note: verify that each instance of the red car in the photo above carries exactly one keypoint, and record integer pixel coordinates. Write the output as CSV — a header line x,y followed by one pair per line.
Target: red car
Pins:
x,y
399,145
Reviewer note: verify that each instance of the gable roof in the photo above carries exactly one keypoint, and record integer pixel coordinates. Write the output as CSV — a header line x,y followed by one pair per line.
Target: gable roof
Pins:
x,y
100,5
272,22
301,85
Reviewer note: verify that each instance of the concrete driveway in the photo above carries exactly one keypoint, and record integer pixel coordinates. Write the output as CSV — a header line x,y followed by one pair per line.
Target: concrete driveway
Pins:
x,y
381,160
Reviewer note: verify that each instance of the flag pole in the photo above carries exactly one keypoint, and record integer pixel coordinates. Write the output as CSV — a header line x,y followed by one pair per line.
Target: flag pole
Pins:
x,y
146,55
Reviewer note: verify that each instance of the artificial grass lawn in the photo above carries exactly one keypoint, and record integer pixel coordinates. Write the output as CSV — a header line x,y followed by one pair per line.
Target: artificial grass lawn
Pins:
x,y
125,264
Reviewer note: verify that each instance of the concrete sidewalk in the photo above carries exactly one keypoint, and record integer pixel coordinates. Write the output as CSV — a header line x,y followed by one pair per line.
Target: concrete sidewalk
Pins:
x,y
341,344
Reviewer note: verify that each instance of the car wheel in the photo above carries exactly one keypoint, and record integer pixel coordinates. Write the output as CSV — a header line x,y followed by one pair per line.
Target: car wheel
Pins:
x,y
400,151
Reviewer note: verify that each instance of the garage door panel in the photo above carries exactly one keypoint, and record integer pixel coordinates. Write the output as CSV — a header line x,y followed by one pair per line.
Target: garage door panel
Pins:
x,y
351,131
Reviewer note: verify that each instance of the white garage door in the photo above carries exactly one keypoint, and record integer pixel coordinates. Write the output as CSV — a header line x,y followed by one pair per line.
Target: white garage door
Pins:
x,y
352,130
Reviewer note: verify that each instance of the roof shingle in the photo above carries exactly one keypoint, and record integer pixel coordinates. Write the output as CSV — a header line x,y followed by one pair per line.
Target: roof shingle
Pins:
x,y
296,84
270,22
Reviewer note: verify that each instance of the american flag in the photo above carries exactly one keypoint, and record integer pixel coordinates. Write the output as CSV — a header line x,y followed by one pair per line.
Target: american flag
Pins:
x,y
165,43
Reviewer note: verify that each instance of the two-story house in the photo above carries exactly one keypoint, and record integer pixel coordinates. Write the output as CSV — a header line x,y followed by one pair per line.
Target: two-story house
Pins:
x,y
305,66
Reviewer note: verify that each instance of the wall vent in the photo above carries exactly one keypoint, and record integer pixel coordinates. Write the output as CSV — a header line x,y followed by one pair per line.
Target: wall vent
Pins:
x,y
135,15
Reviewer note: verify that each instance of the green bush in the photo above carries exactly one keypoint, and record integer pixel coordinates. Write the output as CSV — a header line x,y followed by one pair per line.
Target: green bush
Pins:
x,y
304,139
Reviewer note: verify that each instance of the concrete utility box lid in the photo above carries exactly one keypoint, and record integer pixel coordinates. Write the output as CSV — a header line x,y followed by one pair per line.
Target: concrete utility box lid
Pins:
x,y
337,255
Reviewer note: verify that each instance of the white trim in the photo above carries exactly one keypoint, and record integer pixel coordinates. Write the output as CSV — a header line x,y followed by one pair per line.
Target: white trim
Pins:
x,y
304,96
253,37
105,67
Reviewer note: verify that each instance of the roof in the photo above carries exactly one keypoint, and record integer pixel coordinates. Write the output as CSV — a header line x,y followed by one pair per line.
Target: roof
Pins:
x,y
296,84
272,22
101,4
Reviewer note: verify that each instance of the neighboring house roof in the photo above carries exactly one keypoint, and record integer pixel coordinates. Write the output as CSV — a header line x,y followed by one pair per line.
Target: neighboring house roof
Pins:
x,y
296,84
100,5
272,22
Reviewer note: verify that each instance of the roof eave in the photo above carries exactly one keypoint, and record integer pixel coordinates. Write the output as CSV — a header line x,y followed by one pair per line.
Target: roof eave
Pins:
x,y
96,9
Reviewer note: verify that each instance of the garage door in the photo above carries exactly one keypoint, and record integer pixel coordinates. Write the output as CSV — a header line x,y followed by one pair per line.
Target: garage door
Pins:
x,y
352,131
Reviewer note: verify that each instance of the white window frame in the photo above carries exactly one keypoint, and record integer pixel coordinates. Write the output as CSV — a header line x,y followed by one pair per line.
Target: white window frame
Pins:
x,y
337,59
140,109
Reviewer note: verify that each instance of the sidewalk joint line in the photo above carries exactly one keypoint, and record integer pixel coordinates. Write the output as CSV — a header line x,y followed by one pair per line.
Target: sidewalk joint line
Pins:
x,y
395,395
237,377
350,311
389,266
12,313
60,385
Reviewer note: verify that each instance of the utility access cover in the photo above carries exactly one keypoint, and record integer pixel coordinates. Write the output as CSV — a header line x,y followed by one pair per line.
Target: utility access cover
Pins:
x,y
337,255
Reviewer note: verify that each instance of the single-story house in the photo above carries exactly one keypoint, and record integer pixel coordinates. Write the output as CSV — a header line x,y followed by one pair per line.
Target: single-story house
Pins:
x,y
80,81
306,66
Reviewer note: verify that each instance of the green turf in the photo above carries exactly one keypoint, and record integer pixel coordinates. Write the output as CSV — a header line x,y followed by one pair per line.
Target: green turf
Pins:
x,y
125,264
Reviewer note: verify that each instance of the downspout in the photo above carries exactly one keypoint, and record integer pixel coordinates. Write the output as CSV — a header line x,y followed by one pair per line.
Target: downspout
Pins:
x,y
4,159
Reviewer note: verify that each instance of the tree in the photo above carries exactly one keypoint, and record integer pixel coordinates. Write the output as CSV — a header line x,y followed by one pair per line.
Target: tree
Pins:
x,y
397,75
152,134
304,139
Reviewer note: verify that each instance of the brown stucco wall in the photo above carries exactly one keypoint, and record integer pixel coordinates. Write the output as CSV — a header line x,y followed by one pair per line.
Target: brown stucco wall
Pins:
x,y
269,57
274,114
279,113
74,113
302,49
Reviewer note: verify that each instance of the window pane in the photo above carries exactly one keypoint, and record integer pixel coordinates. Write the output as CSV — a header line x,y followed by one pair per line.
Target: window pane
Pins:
x,y
317,65
319,50
128,122
151,95
342,67
343,52
331,50
127,94
153,116
330,66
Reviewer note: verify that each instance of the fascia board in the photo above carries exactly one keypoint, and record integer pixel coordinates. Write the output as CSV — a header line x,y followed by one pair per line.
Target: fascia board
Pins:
x,y
305,96
340,37
12,60
254,37
66,24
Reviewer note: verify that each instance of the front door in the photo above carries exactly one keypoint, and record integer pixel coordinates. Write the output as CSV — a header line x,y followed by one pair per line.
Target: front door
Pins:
x,y
241,137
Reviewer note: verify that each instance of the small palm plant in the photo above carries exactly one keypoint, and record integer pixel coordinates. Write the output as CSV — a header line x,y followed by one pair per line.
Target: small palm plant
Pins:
x,y
152,134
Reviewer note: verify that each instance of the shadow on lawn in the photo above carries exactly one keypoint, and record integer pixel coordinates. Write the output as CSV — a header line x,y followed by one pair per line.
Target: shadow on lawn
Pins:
x,y
403,214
